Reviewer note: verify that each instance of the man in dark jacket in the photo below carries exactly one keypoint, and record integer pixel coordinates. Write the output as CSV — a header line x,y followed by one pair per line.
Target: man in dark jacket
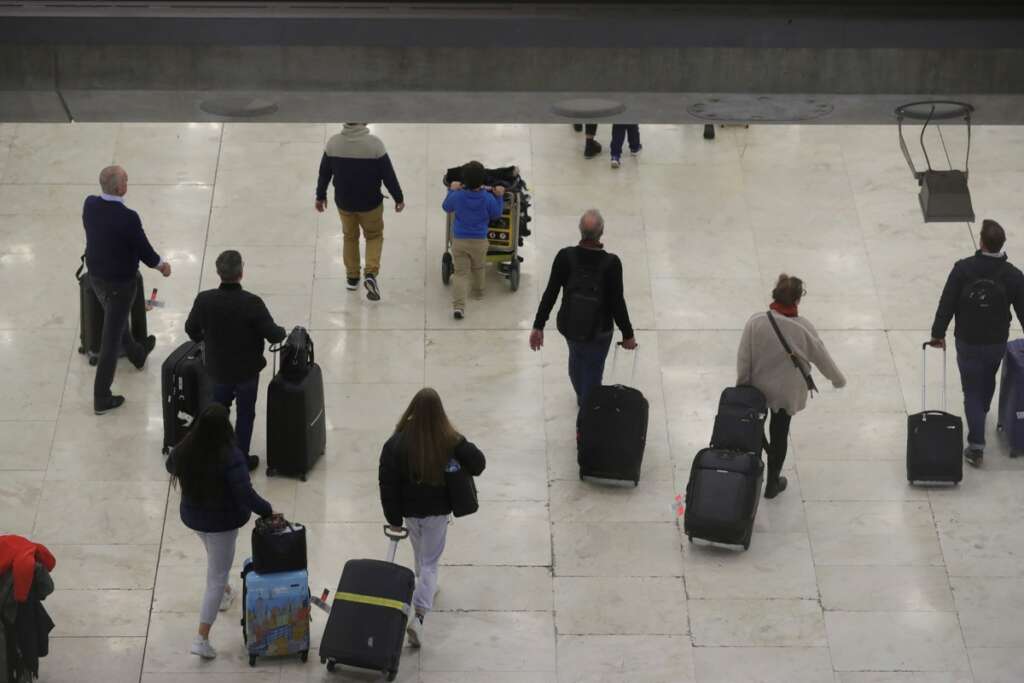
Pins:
x,y
358,163
979,293
115,243
233,323
592,299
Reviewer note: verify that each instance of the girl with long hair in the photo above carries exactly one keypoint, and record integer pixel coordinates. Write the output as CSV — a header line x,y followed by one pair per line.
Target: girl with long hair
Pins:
x,y
217,499
412,489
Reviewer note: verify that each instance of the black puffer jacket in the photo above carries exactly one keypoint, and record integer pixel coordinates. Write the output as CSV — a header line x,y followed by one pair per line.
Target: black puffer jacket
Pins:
x,y
402,497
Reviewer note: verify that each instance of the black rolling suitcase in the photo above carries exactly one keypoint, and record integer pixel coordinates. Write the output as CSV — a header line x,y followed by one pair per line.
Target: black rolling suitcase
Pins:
x,y
739,424
91,315
612,432
722,496
296,425
935,438
366,627
186,390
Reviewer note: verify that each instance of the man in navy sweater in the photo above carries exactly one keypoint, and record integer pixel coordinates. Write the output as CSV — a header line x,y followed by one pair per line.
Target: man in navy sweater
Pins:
x,y
115,243
233,324
358,163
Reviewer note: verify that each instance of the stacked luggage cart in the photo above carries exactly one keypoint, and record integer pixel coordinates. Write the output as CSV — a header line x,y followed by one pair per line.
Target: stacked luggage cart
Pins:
x,y
505,234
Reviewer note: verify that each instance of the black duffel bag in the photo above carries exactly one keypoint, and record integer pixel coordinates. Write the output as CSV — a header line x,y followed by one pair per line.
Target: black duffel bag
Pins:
x,y
278,545
296,355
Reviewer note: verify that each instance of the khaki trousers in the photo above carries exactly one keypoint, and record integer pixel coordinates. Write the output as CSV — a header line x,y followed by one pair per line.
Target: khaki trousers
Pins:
x,y
372,224
469,258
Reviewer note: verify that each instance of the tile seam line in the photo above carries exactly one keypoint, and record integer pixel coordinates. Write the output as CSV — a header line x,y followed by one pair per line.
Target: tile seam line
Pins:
x,y
167,495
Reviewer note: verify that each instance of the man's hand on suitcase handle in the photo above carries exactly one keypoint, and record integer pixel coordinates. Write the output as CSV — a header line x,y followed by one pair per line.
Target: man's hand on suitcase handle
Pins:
x,y
938,343
628,344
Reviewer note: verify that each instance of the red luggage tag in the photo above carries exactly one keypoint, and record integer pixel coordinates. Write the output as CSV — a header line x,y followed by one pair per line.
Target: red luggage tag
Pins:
x,y
152,302
321,601
679,506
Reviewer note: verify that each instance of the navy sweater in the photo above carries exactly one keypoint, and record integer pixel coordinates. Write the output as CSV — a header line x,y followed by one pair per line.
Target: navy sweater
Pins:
x,y
235,502
114,241
358,164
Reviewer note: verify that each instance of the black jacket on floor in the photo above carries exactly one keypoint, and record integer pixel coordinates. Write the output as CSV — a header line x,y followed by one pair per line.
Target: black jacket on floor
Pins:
x,y
401,496
233,324
966,271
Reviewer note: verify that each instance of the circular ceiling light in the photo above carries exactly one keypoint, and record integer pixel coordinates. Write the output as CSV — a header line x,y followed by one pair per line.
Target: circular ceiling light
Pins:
x,y
588,108
238,106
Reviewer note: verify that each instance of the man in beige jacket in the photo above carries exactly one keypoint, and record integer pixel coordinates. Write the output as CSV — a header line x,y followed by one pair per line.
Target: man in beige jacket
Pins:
x,y
762,361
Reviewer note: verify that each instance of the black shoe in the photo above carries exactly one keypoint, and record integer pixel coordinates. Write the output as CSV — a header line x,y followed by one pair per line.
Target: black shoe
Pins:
x,y
775,486
578,127
591,149
352,284
372,289
458,314
973,456
254,462
709,131
108,405
147,348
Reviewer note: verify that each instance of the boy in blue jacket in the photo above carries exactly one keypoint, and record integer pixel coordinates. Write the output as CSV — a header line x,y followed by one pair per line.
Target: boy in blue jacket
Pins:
x,y
474,208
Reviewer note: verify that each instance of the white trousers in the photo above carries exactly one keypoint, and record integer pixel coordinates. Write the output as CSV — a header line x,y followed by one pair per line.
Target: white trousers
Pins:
x,y
220,554
427,535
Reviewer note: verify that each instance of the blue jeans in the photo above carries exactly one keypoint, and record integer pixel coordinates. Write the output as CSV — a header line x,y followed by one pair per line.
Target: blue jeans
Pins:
x,y
245,411
978,364
619,133
586,364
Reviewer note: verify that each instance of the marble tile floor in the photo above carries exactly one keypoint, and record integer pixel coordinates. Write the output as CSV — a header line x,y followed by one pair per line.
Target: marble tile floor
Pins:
x,y
852,577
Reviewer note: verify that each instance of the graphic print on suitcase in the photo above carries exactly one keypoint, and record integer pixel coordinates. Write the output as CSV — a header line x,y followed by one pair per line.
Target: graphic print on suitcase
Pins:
x,y
366,627
1011,397
739,424
275,613
722,496
296,426
935,438
91,316
185,389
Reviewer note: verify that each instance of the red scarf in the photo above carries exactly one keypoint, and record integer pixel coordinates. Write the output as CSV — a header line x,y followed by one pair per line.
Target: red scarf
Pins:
x,y
782,309
591,244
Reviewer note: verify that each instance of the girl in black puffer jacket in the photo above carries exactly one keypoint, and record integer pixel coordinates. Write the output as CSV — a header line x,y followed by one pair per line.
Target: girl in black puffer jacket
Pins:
x,y
412,489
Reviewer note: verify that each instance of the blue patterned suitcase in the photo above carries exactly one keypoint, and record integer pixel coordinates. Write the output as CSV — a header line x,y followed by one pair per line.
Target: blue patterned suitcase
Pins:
x,y
275,613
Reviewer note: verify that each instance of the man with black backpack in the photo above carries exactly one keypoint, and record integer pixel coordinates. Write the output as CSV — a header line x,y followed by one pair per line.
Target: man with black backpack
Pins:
x,y
979,293
232,324
592,299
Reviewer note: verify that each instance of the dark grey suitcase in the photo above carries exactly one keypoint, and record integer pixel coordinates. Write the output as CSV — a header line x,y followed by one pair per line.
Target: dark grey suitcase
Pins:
x,y
296,427
935,438
186,390
91,315
722,496
739,424
366,627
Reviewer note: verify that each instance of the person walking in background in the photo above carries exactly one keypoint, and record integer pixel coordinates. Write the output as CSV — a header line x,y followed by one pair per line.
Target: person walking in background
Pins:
x,y
619,133
590,280
115,243
217,499
358,163
232,324
412,489
474,209
979,292
591,148
763,361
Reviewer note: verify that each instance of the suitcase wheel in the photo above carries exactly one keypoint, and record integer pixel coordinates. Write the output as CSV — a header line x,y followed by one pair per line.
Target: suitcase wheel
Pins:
x,y
252,660
93,360
636,482
1014,454
302,477
391,675
746,546
330,664
689,538
304,655
271,471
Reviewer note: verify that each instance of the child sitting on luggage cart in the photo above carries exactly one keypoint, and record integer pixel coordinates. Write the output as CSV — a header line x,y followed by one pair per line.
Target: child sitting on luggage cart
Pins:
x,y
474,206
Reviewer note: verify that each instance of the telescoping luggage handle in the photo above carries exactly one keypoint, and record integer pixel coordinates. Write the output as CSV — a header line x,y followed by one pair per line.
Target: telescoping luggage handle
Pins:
x,y
393,538
615,358
924,376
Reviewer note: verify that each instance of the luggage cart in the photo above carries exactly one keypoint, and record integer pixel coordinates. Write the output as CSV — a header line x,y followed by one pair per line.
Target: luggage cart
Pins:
x,y
503,236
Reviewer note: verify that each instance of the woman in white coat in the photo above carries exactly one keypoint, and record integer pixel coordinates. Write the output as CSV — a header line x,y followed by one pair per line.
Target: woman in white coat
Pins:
x,y
764,362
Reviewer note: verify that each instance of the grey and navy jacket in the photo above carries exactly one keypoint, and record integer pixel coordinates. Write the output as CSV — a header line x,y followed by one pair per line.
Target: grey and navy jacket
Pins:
x,y
358,163
964,272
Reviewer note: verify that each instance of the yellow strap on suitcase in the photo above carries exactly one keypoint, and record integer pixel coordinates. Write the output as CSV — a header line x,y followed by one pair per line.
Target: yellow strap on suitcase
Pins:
x,y
373,600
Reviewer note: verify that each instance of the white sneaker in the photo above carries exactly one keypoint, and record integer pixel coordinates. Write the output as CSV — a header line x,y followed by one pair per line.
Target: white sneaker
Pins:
x,y
616,163
414,630
201,646
227,600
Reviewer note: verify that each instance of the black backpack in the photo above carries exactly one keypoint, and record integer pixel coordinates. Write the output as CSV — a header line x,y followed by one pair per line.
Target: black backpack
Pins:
x,y
582,308
983,302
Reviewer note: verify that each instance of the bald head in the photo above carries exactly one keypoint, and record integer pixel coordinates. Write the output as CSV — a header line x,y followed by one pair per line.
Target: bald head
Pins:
x,y
114,180
591,225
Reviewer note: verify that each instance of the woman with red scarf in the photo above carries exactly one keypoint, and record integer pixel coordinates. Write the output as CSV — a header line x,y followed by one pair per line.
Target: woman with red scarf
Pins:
x,y
783,374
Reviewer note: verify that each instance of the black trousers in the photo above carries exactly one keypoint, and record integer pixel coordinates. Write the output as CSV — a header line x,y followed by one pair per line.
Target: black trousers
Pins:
x,y
116,299
777,442
590,129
